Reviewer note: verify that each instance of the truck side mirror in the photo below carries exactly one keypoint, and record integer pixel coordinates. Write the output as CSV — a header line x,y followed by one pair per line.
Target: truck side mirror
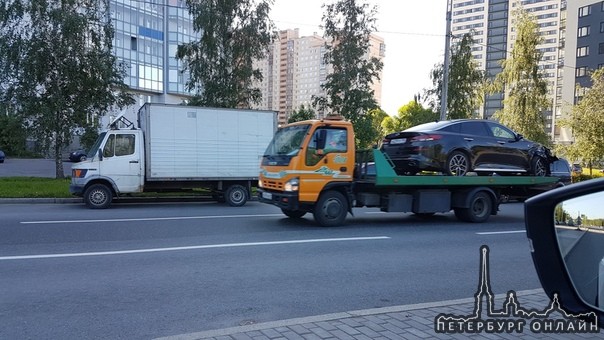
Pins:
x,y
565,227
100,154
321,139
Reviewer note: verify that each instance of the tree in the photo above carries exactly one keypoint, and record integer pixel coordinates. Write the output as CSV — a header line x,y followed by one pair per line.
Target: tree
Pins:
x,y
348,25
586,122
12,135
465,83
56,68
409,115
303,113
233,34
524,83
377,118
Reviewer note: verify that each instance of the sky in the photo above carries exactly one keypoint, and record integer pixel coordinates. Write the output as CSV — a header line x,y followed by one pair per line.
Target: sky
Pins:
x,y
413,31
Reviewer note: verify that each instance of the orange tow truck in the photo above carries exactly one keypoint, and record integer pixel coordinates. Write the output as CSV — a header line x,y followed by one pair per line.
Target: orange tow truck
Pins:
x,y
313,167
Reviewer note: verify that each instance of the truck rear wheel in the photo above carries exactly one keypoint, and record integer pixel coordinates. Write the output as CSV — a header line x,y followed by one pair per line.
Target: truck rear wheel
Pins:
x,y
331,209
293,213
236,195
98,196
479,210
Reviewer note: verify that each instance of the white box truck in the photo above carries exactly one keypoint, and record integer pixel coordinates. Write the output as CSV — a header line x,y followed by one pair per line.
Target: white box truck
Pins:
x,y
175,148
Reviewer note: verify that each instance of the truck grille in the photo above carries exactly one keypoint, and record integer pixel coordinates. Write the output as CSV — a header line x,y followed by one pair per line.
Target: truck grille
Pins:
x,y
274,185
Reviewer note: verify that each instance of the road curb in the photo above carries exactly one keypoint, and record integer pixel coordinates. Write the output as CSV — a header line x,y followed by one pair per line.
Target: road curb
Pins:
x,y
333,316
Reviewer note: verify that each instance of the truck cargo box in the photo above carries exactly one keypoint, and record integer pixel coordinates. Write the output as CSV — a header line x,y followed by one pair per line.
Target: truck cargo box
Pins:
x,y
195,143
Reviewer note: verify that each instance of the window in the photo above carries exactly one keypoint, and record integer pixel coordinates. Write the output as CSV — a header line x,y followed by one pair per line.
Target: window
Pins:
x,y
602,27
581,72
474,128
582,51
601,48
501,132
133,44
584,11
583,31
119,145
336,140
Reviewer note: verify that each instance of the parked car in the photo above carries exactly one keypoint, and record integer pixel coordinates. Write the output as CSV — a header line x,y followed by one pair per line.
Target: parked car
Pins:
x,y
577,169
2,156
561,169
456,147
77,155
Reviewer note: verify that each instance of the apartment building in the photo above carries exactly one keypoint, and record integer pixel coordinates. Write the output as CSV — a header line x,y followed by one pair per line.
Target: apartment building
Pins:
x,y
491,22
583,53
295,69
147,34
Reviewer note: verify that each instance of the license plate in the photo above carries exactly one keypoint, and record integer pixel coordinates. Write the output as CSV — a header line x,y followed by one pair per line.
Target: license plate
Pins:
x,y
267,195
398,141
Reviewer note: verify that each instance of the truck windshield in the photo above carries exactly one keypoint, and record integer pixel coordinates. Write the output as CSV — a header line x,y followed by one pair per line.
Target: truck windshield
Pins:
x,y
287,141
93,150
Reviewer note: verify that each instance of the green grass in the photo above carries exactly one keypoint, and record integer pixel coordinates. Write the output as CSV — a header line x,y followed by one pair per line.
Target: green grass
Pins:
x,y
34,187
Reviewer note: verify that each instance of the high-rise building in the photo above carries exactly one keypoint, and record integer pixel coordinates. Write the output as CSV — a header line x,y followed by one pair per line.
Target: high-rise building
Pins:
x,y
584,53
147,34
295,69
491,22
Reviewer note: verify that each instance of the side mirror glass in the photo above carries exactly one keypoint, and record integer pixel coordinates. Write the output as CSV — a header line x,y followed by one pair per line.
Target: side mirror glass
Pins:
x,y
565,228
579,224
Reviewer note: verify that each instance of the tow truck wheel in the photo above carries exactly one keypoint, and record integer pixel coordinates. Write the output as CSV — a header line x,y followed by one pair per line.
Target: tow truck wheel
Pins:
x,y
98,196
479,211
293,213
331,209
236,195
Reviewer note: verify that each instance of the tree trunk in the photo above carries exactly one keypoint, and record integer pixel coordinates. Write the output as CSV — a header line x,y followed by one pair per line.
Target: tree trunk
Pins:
x,y
58,162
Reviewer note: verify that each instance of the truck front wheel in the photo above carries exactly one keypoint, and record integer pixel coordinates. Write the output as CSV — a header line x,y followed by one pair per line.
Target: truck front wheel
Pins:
x,y
236,195
331,209
479,210
98,196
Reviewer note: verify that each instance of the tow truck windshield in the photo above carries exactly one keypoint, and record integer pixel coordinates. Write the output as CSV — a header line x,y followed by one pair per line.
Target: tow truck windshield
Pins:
x,y
285,144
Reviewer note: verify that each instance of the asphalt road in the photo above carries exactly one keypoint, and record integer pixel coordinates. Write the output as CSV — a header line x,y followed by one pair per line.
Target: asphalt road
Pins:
x,y
32,167
139,271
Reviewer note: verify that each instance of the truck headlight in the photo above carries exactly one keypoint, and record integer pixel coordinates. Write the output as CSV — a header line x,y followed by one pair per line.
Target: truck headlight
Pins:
x,y
78,173
260,183
292,185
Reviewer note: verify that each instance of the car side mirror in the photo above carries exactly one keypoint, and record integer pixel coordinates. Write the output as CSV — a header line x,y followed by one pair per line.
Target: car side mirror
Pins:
x,y
565,227
519,137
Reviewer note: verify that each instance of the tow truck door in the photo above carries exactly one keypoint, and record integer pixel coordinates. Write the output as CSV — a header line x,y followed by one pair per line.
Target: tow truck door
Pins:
x,y
328,157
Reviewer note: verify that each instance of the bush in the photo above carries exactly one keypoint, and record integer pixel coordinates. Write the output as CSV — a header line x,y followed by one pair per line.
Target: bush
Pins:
x,y
585,175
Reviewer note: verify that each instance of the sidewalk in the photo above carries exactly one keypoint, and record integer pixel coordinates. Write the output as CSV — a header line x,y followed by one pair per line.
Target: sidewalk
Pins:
x,y
399,322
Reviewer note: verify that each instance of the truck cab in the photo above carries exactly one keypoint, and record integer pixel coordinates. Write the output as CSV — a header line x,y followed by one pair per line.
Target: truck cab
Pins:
x,y
306,159
115,164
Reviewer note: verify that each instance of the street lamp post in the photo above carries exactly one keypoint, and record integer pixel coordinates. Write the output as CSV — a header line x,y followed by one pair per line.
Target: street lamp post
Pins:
x,y
445,85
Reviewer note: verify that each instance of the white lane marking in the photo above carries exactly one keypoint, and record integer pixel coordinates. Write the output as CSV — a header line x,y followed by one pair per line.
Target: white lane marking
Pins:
x,y
501,232
208,246
151,219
